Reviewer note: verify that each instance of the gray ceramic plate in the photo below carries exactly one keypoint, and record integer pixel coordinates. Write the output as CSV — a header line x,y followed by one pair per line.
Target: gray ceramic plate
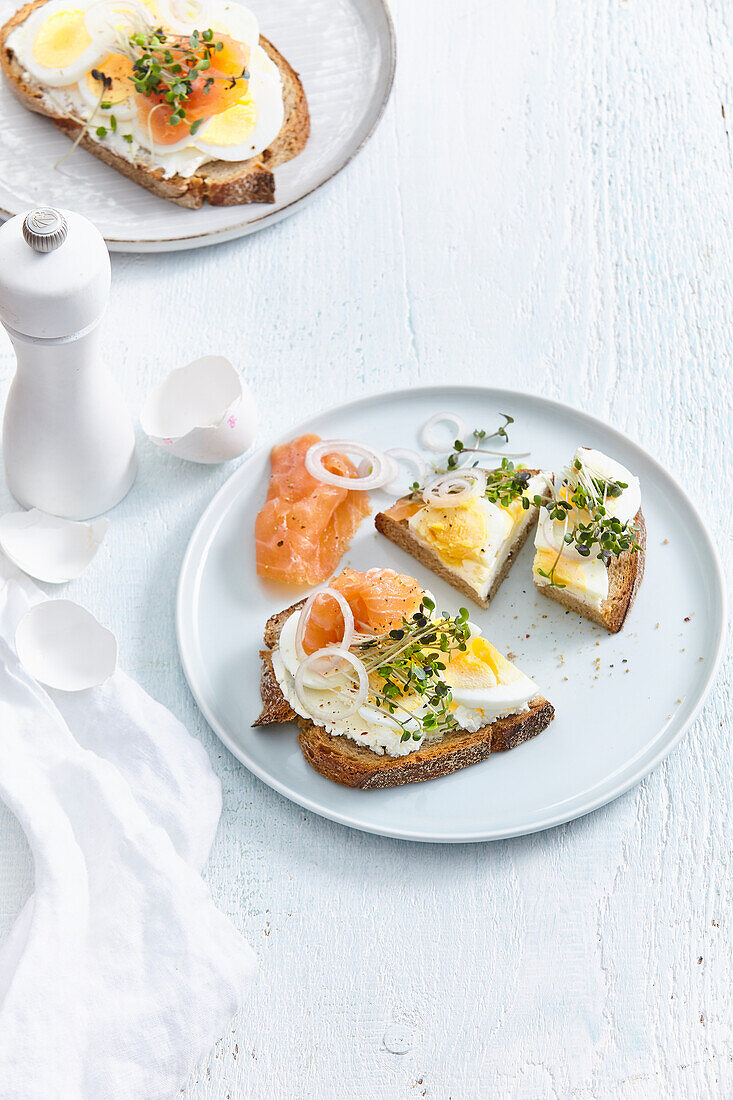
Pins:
x,y
622,701
344,51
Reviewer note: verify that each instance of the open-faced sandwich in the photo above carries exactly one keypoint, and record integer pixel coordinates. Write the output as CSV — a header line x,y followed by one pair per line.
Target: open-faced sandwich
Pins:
x,y
185,97
468,526
386,690
591,539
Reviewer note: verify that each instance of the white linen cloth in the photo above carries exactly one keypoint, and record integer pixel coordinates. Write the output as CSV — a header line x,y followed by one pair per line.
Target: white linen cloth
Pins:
x,y
120,973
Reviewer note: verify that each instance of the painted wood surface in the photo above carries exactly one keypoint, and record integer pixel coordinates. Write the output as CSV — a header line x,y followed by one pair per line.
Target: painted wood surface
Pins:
x,y
546,204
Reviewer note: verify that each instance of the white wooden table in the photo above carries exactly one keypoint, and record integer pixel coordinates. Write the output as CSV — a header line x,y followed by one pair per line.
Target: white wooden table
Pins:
x,y
548,205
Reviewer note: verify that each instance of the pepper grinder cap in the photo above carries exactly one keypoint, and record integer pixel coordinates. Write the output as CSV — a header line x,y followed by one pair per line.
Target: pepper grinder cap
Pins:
x,y
54,274
45,229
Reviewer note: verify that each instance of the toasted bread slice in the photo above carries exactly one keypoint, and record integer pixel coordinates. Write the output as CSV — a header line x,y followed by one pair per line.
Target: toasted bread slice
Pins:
x,y
344,761
625,574
394,524
221,183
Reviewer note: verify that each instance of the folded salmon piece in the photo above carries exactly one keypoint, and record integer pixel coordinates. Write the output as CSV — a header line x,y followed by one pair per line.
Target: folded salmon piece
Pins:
x,y
306,526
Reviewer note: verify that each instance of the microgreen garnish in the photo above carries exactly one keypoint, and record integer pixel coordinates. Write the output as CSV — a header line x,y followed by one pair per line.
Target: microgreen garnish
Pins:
x,y
480,436
506,483
168,65
408,661
586,493
101,131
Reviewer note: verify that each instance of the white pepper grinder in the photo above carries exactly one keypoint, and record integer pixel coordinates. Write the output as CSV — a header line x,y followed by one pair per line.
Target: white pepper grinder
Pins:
x,y
68,440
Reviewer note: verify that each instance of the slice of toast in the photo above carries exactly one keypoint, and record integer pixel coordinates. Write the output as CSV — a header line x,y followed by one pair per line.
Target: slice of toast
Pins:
x,y
395,526
625,574
344,761
221,183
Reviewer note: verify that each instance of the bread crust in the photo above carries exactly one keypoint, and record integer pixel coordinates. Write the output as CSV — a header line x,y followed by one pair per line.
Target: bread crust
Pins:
x,y
625,574
399,532
344,761
220,183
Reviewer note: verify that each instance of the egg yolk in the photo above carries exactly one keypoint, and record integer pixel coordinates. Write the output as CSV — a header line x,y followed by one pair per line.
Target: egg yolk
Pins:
x,y
61,39
234,125
567,571
118,69
482,665
458,534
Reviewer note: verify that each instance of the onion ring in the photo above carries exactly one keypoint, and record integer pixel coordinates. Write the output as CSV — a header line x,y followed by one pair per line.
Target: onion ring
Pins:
x,y
382,468
346,611
427,438
450,490
401,455
333,654
103,18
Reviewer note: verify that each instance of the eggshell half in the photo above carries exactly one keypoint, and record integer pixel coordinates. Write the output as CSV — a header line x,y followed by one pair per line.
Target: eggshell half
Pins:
x,y
50,548
62,645
202,412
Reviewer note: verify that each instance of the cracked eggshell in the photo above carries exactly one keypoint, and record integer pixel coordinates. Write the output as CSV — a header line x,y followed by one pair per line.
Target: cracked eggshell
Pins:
x,y
49,548
63,646
202,412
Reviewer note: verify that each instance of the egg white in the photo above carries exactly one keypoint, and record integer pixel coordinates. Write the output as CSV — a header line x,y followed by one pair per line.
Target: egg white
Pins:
x,y
625,506
265,87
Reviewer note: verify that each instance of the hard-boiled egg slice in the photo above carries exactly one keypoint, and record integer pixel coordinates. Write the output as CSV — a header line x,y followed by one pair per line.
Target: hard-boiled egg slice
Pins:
x,y
480,666
232,18
119,97
59,48
485,685
244,130
600,466
142,135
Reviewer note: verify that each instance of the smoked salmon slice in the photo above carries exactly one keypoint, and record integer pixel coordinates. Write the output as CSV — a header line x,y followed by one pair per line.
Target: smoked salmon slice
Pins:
x,y
379,599
305,526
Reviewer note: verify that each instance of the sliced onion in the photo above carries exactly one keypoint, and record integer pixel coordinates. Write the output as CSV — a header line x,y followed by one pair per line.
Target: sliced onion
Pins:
x,y
188,11
382,468
104,17
366,466
333,655
453,489
427,438
402,455
346,611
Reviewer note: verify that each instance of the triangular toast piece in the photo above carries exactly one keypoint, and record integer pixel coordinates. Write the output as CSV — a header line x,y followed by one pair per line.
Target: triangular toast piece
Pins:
x,y
394,524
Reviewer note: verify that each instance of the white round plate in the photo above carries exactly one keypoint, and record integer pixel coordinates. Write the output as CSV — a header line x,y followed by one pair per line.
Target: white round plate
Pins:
x,y
344,51
622,701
